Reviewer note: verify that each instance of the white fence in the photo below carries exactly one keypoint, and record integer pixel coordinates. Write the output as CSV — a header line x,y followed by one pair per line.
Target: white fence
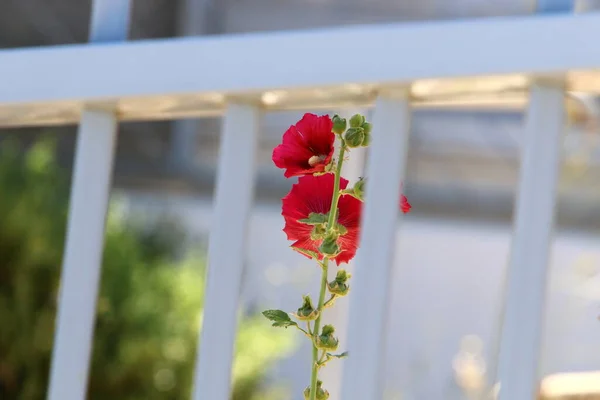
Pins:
x,y
499,62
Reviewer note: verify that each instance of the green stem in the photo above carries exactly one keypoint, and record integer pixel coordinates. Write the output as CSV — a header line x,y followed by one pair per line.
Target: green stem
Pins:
x,y
315,351
336,188
305,332
330,301
330,225
322,356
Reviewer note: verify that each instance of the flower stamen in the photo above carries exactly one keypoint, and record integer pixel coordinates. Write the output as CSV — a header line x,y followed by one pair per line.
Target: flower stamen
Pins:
x,y
316,160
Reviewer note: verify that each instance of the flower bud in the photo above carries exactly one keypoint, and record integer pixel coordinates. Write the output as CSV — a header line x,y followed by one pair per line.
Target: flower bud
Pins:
x,y
356,121
329,247
339,285
359,189
307,312
322,394
367,126
339,124
326,340
366,140
354,137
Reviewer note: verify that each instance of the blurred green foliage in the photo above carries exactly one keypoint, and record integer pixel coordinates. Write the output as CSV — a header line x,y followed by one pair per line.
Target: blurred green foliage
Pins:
x,y
149,309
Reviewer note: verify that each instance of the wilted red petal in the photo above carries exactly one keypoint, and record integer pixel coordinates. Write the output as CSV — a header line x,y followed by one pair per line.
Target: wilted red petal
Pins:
x,y
307,147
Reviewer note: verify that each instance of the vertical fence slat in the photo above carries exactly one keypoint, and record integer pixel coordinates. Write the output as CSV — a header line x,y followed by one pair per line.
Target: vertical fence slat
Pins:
x,y
540,7
370,290
232,204
582,6
194,18
90,190
83,256
521,333
110,20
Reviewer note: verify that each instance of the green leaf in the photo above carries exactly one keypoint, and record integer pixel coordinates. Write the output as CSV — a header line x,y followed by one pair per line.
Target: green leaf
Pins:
x,y
351,192
276,315
315,219
284,324
341,355
342,230
280,319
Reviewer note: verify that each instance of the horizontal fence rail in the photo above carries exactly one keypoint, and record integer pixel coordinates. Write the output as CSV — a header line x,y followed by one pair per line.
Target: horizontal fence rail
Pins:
x,y
187,77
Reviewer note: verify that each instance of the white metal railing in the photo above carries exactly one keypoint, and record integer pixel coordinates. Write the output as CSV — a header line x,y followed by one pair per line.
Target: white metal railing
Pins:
x,y
394,66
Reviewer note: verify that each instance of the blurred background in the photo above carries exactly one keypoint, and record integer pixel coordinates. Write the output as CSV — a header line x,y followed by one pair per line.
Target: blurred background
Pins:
x,y
452,249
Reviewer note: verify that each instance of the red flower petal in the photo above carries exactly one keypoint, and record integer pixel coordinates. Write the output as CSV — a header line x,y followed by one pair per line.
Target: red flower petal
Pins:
x,y
307,147
350,212
404,204
307,244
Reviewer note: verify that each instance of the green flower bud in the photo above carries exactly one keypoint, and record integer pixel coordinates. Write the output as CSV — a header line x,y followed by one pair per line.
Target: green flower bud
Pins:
x,y
307,312
339,124
359,189
326,340
367,140
339,285
329,247
322,394
354,137
356,121
367,126
342,276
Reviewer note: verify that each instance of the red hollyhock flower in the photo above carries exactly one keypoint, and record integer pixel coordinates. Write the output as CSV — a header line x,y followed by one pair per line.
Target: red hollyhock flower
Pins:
x,y
312,194
307,147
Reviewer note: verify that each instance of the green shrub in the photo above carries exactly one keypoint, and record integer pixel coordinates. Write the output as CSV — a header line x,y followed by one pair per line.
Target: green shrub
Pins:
x,y
149,309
